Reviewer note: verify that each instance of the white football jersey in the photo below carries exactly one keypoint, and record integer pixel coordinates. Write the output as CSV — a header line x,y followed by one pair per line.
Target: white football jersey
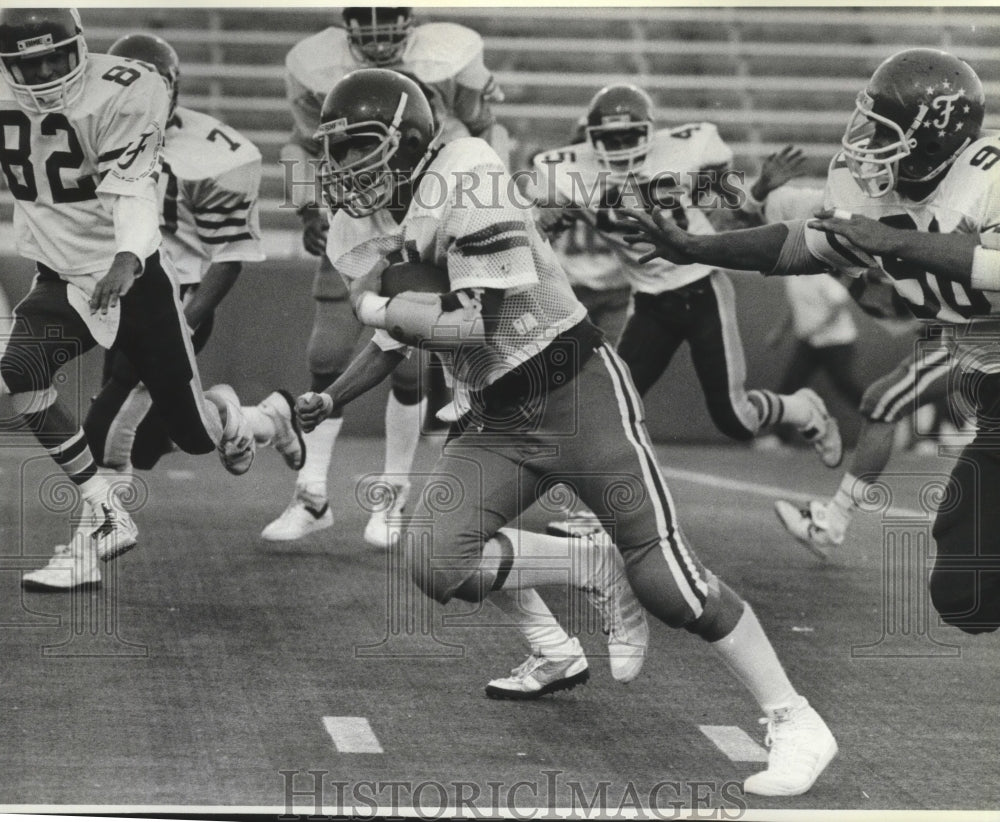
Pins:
x,y
575,175
442,55
464,220
966,201
209,187
64,167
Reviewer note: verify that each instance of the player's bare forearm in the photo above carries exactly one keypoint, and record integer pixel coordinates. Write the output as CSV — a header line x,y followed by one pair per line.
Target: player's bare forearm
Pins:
x,y
368,369
751,249
215,285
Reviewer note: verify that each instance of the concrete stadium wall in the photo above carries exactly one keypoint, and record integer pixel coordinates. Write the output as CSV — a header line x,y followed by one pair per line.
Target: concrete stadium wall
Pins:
x,y
263,326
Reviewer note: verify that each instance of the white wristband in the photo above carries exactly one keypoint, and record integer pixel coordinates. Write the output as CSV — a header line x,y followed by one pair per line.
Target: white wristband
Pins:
x,y
370,309
751,205
985,269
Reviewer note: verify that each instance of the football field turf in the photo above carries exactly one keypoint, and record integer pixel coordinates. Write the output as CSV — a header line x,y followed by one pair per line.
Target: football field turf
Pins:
x,y
216,669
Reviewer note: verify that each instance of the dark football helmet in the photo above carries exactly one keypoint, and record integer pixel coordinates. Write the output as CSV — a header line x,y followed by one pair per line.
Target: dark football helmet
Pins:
x,y
156,51
377,131
26,36
378,35
920,110
620,127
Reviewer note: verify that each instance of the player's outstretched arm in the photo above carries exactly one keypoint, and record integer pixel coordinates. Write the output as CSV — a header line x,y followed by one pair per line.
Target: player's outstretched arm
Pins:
x,y
952,256
366,371
753,249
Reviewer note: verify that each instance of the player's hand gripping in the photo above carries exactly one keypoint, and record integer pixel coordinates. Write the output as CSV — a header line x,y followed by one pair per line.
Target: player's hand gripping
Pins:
x,y
116,283
659,230
867,234
312,408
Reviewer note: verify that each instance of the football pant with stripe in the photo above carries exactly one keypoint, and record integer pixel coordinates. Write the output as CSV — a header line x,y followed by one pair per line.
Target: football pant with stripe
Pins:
x,y
590,434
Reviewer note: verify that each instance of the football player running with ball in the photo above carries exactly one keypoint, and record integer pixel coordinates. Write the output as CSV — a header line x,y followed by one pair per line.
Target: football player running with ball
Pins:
x,y
447,58
80,148
550,400
917,185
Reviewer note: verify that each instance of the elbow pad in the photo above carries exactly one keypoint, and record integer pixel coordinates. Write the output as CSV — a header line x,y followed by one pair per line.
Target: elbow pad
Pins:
x,y
985,269
414,317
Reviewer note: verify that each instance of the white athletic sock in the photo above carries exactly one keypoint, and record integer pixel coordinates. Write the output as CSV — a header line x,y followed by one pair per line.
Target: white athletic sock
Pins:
x,y
402,435
260,423
319,454
796,410
749,654
534,619
543,560
844,502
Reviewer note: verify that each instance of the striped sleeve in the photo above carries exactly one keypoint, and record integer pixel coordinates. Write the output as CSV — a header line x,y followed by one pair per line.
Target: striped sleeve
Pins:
x,y
226,216
491,246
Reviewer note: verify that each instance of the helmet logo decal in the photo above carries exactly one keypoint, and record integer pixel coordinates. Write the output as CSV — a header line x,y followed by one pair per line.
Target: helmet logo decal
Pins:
x,y
945,103
34,42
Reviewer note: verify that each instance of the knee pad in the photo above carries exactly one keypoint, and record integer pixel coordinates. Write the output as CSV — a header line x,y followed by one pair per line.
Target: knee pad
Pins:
x,y
723,610
33,402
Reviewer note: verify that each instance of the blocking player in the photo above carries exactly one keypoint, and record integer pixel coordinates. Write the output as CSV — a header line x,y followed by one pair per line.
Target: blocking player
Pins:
x,y
627,160
915,167
80,150
550,400
449,59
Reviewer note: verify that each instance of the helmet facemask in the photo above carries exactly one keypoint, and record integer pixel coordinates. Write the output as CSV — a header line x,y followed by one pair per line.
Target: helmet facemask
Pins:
x,y
621,146
873,146
378,42
364,183
50,95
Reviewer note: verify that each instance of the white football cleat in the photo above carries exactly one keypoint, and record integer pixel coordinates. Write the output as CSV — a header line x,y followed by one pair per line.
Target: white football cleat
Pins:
x,y
300,518
237,446
622,616
801,746
73,568
279,407
114,534
577,524
386,524
822,430
812,526
539,675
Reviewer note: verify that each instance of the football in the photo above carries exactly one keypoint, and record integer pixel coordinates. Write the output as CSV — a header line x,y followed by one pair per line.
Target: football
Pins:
x,y
414,277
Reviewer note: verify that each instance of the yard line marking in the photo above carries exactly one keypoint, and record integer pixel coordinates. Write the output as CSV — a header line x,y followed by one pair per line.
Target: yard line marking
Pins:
x,y
180,474
771,491
352,734
734,742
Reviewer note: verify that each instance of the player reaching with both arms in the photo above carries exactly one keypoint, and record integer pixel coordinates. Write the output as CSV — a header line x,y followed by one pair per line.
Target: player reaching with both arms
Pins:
x,y
448,59
550,400
915,194
81,147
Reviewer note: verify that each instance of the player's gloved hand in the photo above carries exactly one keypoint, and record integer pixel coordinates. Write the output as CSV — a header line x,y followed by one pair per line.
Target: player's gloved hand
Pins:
x,y
867,234
777,170
312,408
314,229
660,230
116,283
